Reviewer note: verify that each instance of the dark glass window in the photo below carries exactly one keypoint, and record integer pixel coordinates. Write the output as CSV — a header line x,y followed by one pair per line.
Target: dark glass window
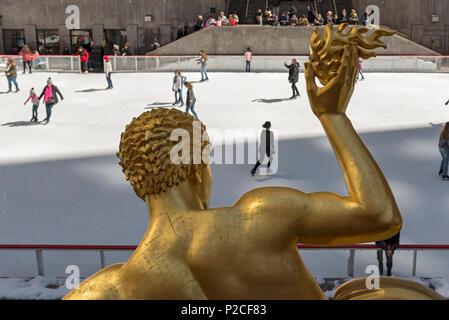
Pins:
x,y
14,40
48,41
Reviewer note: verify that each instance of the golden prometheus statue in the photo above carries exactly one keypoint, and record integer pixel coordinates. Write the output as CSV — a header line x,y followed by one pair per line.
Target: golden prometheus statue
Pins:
x,y
248,250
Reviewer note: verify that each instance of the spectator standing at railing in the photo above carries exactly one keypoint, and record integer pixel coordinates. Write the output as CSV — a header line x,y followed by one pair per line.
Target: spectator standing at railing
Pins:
x,y
284,19
126,50
210,22
443,145
293,76
276,7
222,19
203,61
294,21
116,50
311,15
26,58
84,58
343,18
353,17
108,72
389,246
365,18
11,74
191,100
319,21
154,45
248,58
50,94
199,24
329,18
35,100
258,19
335,19
180,32
234,19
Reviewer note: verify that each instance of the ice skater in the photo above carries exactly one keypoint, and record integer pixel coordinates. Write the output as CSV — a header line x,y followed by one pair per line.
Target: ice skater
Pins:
x,y
248,58
108,72
11,74
444,150
27,56
178,83
35,100
50,94
389,246
84,59
203,61
191,100
266,148
360,71
293,76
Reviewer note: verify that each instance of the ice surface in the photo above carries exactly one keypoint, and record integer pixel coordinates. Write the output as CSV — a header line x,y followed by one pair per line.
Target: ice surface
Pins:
x,y
61,183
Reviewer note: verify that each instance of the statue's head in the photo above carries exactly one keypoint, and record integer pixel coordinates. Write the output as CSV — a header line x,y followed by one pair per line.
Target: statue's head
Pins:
x,y
150,154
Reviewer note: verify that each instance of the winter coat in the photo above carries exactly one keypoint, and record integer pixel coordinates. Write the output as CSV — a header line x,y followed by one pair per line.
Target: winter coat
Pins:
x,y
202,61
107,67
444,143
389,244
11,71
34,99
55,93
84,56
127,52
190,97
199,25
26,56
178,83
263,147
293,72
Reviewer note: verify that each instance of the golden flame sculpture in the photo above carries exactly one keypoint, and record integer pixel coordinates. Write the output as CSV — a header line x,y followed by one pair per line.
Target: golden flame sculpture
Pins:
x,y
326,52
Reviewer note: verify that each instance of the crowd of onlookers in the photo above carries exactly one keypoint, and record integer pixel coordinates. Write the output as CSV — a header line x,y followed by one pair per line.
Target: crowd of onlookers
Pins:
x,y
274,17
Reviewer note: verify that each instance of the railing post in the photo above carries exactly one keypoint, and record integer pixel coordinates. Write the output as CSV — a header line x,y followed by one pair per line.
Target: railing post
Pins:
x,y
40,262
351,261
48,63
136,63
71,63
103,264
415,256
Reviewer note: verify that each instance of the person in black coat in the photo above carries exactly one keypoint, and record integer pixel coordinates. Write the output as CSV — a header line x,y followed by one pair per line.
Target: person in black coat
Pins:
x,y
389,246
293,76
191,100
50,94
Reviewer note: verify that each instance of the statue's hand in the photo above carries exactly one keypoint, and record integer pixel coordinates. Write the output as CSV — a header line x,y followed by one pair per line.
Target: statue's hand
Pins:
x,y
334,97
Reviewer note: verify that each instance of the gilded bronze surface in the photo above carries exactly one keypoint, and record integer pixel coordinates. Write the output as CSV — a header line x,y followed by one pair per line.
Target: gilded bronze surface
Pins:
x,y
248,250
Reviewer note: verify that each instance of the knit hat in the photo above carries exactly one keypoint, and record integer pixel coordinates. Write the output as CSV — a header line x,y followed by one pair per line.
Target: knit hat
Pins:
x,y
32,91
106,58
267,125
49,81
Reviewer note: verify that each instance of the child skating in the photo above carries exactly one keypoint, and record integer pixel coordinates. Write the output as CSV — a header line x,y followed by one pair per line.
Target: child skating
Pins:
x,y
35,100
191,100
178,83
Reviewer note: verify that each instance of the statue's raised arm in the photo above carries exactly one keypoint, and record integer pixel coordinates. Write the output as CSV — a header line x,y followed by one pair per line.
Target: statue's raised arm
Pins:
x,y
370,212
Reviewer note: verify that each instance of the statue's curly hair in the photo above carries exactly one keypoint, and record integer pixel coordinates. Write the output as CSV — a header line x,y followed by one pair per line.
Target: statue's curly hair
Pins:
x,y
145,148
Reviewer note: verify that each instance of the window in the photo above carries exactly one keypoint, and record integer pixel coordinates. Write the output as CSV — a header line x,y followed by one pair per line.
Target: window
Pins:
x,y
14,40
48,41
111,37
81,38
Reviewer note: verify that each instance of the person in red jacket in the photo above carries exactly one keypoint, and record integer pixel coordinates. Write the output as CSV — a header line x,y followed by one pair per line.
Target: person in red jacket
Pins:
x,y
84,57
27,57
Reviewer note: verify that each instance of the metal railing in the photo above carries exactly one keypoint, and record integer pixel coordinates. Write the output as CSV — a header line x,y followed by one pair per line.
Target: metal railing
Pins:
x,y
46,63
232,63
271,63
352,249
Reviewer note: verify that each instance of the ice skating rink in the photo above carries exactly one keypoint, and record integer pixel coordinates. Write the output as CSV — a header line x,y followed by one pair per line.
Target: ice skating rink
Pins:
x,y
61,183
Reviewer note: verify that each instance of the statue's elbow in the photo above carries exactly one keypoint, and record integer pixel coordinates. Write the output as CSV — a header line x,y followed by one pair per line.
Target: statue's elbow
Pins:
x,y
390,220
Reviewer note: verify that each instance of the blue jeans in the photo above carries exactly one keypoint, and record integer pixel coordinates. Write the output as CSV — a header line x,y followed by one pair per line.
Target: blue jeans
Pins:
x,y
11,81
445,161
35,107
48,107
178,97
204,73
192,108
108,78
248,66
